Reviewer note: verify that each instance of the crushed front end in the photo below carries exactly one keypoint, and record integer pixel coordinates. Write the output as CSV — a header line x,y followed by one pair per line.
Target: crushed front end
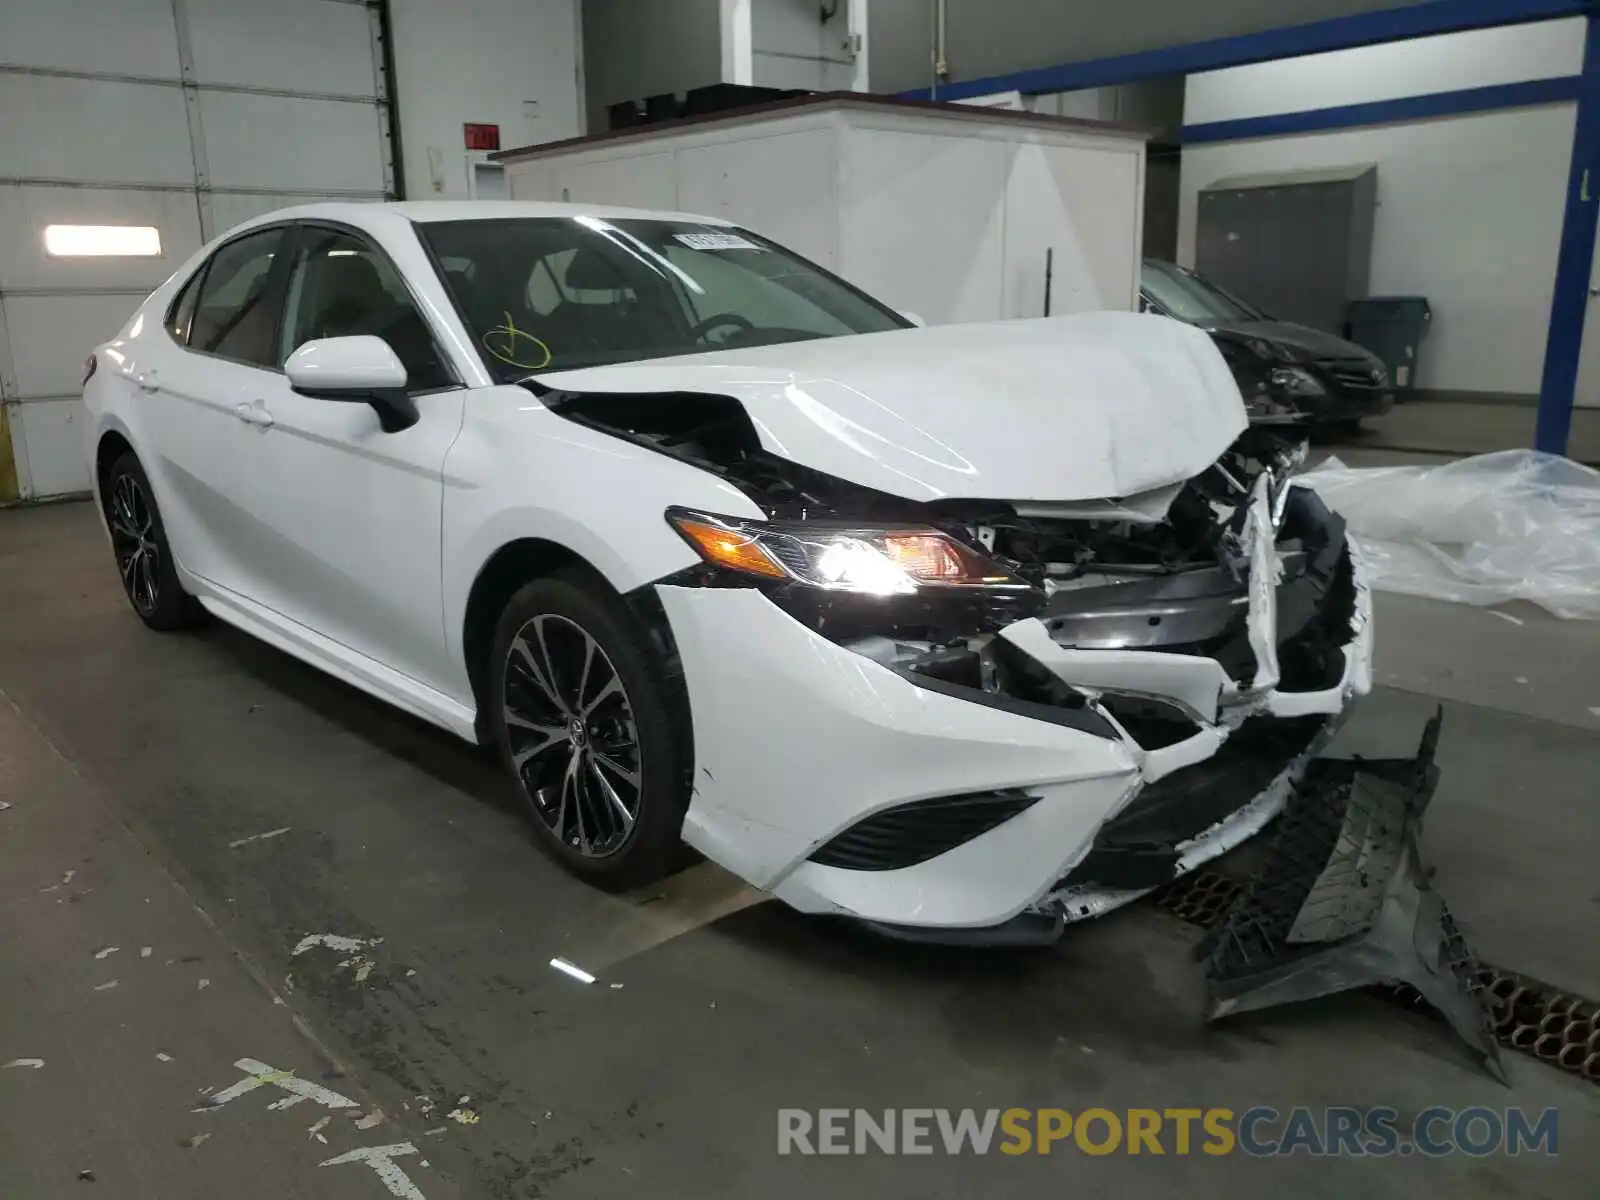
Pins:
x,y
980,719
1221,640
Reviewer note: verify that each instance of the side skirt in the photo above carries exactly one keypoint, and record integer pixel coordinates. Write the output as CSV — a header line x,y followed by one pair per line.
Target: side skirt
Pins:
x,y
338,660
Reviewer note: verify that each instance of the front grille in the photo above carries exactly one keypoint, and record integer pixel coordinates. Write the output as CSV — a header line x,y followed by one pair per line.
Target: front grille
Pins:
x,y
1138,848
1354,374
913,833
1315,601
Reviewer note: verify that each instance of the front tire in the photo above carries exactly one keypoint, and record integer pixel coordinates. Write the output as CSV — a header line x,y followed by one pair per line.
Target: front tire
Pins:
x,y
143,556
589,729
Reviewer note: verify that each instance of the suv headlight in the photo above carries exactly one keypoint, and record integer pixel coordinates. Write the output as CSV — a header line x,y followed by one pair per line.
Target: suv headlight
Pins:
x,y
1296,381
867,560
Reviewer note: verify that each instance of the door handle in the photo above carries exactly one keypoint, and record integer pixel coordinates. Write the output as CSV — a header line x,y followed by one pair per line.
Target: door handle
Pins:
x,y
254,414
149,382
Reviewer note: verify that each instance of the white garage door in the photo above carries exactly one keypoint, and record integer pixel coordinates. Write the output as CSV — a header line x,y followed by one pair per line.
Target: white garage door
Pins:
x,y
181,116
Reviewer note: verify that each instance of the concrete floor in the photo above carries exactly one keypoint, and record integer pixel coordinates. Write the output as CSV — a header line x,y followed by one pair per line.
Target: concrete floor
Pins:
x,y
1455,424
136,761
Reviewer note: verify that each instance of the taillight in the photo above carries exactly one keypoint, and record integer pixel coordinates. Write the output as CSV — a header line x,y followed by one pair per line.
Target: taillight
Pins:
x,y
89,366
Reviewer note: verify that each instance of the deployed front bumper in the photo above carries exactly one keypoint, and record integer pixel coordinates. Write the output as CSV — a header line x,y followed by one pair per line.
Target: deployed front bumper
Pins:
x,y
799,740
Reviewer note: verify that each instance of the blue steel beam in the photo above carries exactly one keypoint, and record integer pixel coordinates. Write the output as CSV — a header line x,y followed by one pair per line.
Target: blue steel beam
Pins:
x,y
1570,303
1340,33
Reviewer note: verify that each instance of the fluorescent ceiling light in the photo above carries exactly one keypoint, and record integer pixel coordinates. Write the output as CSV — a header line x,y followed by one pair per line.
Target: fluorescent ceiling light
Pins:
x,y
102,241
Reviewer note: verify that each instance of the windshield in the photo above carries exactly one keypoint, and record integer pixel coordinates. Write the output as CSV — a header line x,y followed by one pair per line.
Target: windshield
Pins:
x,y
1191,297
555,293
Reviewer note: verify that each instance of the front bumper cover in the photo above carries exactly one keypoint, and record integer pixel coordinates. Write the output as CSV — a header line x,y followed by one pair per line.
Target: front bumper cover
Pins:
x,y
798,739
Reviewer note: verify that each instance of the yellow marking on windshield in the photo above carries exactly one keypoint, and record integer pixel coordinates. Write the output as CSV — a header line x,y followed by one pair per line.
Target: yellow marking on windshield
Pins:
x,y
506,343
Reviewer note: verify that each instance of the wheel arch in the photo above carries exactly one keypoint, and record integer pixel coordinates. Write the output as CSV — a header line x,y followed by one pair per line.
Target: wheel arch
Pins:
x,y
112,445
507,569
521,560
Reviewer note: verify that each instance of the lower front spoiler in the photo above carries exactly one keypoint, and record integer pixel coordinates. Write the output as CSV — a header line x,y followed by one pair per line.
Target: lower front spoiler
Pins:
x,y
1024,929
1343,902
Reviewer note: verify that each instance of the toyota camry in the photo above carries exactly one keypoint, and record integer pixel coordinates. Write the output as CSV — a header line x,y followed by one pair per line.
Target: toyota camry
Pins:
x,y
965,632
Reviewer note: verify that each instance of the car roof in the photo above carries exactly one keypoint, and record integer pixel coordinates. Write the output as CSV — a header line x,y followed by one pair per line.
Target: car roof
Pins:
x,y
432,211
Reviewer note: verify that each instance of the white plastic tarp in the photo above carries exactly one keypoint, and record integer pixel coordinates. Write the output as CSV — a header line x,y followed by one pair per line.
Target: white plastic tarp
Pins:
x,y
1517,525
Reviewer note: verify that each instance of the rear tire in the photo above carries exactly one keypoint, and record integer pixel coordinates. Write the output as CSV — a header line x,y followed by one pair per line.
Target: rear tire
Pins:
x,y
143,556
591,733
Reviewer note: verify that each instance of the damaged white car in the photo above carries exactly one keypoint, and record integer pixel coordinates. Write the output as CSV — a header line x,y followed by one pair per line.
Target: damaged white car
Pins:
x,y
965,632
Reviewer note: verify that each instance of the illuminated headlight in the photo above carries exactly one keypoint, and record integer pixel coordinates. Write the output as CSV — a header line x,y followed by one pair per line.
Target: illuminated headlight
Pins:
x,y
873,561
1296,381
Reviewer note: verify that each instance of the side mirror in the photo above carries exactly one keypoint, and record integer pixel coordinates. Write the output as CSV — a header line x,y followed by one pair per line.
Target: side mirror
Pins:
x,y
914,319
355,370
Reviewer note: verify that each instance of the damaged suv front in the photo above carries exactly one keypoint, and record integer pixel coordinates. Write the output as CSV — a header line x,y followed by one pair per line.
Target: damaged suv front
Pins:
x,y
965,719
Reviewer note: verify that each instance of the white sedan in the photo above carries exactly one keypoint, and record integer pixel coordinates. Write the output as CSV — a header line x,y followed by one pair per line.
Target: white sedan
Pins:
x,y
965,632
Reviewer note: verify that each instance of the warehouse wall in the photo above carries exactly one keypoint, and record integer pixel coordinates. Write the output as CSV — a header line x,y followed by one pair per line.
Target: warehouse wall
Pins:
x,y
637,48
513,63
794,48
1469,208
991,37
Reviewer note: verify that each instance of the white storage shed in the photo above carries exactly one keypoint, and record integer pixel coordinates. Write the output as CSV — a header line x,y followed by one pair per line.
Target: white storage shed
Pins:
x,y
950,211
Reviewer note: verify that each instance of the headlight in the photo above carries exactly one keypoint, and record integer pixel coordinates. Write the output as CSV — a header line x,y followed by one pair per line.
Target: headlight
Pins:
x,y
1296,381
874,561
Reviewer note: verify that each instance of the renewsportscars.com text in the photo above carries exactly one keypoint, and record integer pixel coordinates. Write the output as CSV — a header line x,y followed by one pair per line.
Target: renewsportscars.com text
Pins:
x,y
1259,1132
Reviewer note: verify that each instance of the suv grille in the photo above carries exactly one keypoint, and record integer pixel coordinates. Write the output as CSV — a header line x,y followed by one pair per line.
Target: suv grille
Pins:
x,y
1356,374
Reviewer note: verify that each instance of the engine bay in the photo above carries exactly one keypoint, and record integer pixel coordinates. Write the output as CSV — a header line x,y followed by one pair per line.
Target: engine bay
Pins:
x,y
1166,571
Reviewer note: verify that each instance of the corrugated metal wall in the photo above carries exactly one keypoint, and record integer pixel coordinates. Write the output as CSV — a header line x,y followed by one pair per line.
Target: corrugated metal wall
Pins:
x,y
188,115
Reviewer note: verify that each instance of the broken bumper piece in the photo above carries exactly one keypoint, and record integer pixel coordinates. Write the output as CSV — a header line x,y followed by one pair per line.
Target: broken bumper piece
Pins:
x,y
1343,902
936,810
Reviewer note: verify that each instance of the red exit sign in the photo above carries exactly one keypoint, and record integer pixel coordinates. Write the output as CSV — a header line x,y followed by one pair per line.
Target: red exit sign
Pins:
x,y
481,137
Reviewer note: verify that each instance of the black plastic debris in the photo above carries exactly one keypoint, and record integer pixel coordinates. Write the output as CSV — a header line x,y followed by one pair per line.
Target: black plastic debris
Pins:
x,y
1344,902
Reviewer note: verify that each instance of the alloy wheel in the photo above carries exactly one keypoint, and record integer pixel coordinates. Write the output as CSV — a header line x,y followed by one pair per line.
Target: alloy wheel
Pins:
x,y
574,741
133,540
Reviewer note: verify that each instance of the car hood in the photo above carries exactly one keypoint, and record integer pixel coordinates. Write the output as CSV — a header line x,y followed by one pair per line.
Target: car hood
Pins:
x,y
1082,407
1304,343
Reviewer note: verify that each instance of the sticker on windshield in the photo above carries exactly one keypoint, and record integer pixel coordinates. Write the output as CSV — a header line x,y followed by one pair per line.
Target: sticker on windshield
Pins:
x,y
715,241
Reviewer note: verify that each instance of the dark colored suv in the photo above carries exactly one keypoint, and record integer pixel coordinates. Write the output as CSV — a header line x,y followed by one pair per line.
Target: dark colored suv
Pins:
x,y
1288,373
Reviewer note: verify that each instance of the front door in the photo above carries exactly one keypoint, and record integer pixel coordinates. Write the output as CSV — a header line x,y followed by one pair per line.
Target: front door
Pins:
x,y
358,509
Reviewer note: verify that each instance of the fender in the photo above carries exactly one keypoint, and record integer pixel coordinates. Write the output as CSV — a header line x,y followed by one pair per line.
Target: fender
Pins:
x,y
537,462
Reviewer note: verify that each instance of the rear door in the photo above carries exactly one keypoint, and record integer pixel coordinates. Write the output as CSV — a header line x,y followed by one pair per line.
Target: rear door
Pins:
x,y
196,399
357,511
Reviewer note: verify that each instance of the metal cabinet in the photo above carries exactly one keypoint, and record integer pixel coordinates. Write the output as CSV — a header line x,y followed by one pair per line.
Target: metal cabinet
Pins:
x,y
1297,244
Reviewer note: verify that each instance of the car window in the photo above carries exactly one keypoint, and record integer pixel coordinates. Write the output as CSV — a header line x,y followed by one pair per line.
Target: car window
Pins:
x,y
555,293
181,315
341,286
235,316
1190,296
761,287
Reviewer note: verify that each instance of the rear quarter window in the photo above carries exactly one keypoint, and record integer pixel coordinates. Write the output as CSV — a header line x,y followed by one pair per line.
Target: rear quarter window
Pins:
x,y
180,313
